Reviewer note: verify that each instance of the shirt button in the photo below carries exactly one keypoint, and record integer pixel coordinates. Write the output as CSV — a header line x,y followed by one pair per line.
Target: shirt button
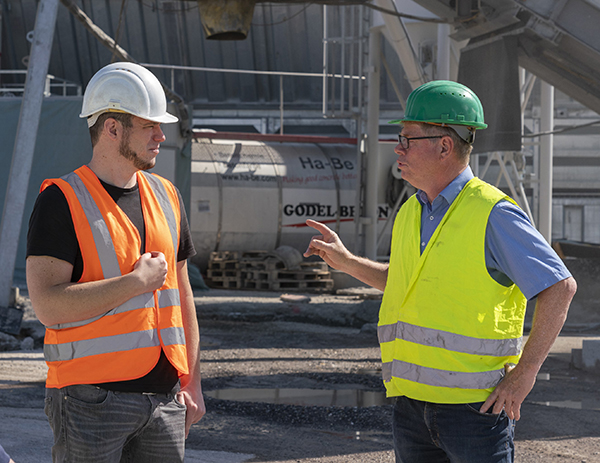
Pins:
x,y
422,244
431,218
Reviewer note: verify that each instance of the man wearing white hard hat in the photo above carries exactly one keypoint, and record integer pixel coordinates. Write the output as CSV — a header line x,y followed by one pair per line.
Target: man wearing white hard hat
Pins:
x,y
107,275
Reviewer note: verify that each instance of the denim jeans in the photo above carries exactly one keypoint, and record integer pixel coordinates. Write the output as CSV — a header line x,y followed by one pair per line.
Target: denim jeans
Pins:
x,y
91,424
450,433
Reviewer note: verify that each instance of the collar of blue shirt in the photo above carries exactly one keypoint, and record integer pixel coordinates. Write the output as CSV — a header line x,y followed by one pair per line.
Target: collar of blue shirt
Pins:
x,y
450,192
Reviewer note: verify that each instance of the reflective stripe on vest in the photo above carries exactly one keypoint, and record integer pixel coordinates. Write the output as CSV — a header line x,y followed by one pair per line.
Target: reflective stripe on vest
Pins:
x,y
166,298
110,344
102,239
165,204
172,336
440,378
449,341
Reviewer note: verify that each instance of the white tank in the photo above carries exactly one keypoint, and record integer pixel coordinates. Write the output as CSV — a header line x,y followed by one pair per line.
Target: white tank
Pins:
x,y
256,196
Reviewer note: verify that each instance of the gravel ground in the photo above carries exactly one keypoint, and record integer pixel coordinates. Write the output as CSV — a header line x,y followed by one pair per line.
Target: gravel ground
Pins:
x,y
279,348
255,341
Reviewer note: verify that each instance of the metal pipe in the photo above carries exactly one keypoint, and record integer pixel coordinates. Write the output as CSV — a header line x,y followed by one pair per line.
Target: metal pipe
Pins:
x,y
392,79
325,69
280,105
398,37
362,26
23,151
443,51
546,153
371,205
343,59
351,65
395,210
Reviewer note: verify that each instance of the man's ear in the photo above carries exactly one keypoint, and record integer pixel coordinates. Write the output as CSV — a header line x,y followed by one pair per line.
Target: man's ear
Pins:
x,y
446,147
111,128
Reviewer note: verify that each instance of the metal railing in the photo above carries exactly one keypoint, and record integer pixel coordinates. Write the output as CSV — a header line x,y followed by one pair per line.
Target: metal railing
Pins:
x,y
52,83
281,75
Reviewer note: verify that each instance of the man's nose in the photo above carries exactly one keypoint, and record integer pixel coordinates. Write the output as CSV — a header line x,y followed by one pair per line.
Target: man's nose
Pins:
x,y
399,150
159,134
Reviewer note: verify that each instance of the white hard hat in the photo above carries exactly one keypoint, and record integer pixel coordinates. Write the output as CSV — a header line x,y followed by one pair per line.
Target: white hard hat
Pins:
x,y
126,88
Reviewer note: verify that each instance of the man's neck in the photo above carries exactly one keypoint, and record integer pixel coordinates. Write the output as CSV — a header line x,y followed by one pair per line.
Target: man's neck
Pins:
x,y
116,172
434,191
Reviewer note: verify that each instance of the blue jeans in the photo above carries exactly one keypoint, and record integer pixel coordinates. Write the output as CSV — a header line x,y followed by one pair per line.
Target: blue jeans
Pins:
x,y
450,433
93,425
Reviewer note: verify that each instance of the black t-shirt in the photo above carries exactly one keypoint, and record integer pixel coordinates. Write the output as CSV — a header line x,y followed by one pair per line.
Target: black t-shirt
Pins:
x,y
52,233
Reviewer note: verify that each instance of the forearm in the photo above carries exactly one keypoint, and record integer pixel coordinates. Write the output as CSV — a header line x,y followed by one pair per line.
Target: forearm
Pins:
x,y
190,324
549,317
191,385
550,314
56,299
369,272
69,302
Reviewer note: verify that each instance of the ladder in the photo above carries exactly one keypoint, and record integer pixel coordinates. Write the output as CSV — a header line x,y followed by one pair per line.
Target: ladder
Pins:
x,y
345,59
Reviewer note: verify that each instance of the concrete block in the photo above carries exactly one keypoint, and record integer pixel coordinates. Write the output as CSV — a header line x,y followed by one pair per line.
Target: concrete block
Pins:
x,y
14,297
590,354
8,342
10,320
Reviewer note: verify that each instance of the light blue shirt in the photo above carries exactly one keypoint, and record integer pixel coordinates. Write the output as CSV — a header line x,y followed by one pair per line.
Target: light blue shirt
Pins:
x,y
514,250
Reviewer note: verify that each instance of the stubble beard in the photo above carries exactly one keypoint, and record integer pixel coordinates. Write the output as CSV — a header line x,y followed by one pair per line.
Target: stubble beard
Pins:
x,y
130,155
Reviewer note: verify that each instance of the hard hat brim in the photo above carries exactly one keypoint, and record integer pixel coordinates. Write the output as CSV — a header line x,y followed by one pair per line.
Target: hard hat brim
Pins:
x,y
164,119
477,125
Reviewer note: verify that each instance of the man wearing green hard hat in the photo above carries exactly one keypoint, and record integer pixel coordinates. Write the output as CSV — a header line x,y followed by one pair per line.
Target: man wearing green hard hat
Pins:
x,y
464,260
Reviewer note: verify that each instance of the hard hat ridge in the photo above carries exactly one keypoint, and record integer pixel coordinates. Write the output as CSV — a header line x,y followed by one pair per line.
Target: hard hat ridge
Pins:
x,y
128,88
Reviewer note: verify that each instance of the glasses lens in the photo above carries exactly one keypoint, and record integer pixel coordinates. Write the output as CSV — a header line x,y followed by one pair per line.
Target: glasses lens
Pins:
x,y
403,141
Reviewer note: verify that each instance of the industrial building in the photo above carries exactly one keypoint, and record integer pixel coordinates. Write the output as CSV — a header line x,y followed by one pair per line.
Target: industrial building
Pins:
x,y
280,120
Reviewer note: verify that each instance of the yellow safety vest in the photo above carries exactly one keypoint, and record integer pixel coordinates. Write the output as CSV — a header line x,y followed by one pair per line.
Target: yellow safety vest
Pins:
x,y
446,327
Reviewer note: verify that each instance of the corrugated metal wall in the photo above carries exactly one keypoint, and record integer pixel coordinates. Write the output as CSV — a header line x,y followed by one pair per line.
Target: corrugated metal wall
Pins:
x,y
283,37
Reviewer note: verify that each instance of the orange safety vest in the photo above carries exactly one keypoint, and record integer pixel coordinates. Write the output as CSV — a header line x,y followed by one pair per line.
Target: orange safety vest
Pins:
x,y
125,342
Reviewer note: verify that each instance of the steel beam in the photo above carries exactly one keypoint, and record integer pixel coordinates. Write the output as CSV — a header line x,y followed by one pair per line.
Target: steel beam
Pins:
x,y
373,98
22,160
546,151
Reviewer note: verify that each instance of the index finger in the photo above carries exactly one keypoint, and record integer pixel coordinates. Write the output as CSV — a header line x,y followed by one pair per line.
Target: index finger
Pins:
x,y
320,227
491,400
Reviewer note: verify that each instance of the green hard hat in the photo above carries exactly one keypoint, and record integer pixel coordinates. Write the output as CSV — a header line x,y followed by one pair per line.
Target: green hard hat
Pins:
x,y
446,103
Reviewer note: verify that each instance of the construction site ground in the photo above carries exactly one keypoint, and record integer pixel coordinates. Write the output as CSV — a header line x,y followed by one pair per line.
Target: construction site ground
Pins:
x,y
278,345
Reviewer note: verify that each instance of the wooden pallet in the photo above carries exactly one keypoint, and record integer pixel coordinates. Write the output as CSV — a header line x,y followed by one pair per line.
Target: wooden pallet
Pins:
x,y
265,265
212,273
310,276
261,271
273,275
302,285
260,285
224,265
249,256
226,283
219,256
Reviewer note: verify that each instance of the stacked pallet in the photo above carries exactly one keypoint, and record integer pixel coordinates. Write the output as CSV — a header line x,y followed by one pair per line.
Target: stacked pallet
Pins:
x,y
224,271
260,270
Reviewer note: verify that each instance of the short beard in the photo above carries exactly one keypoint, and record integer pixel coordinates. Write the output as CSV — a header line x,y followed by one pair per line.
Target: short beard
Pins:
x,y
129,154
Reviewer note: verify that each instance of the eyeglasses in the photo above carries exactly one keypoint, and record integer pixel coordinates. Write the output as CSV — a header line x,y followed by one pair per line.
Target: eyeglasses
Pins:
x,y
404,141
